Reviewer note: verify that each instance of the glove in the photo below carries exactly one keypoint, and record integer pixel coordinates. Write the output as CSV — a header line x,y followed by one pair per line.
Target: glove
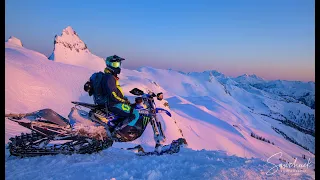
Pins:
x,y
88,88
138,100
126,100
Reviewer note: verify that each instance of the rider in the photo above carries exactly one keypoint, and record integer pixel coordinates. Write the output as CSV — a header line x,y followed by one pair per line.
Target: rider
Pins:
x,y
107,92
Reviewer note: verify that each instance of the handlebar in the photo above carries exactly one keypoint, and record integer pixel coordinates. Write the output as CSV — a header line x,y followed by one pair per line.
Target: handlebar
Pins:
x,y
138,92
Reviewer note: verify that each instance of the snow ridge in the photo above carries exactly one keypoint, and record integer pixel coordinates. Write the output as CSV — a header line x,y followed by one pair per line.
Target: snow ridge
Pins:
x,y
14,41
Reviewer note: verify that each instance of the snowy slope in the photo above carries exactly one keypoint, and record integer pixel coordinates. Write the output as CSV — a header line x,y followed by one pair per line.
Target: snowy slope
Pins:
x,y
287,100
116,164
291,91
209,117
70,49
196,91
33,82
247,89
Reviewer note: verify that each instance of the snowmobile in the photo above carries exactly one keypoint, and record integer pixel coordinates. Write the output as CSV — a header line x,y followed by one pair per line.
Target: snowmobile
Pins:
x,y
53,134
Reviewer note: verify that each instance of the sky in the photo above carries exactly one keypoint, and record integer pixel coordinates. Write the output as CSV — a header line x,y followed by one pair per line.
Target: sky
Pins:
x,y
270,38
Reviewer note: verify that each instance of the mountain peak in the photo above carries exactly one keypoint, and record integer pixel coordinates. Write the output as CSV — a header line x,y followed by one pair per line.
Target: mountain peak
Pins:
x,y
68,41
251,79
254,76
251,76
15,41
244,75
69,31
70,49
214,73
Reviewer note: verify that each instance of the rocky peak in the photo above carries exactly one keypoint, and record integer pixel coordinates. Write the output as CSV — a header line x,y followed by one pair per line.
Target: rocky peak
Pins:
x,y
70,39
15,41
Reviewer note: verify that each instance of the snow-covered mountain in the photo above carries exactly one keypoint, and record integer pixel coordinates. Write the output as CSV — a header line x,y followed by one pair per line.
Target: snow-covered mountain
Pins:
x,y
294,91
14,41
291,91
214,113
249,79
70,49
279,99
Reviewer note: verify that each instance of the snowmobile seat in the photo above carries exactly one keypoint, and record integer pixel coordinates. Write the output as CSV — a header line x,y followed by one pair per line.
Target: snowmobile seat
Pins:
x,y
87,105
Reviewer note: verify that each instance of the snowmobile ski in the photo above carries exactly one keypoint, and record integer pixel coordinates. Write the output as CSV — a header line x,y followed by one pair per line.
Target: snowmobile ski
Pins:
x,y
172,148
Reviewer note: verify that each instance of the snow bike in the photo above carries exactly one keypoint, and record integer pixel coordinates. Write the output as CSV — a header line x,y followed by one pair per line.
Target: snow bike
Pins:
x,y
53,134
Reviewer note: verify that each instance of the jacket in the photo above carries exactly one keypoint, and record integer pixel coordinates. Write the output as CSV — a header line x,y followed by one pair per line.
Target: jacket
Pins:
x,y
110,92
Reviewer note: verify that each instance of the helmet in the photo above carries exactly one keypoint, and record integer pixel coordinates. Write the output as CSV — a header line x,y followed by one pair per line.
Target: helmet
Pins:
x,y
114,63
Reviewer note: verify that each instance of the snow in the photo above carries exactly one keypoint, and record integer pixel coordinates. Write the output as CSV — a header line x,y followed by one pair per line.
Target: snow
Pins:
x,y
119,164
32,82
251,79
14,41
214,112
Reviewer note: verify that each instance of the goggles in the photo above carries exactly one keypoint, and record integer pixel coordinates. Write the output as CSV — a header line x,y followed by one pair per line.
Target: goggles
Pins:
x,y
115,64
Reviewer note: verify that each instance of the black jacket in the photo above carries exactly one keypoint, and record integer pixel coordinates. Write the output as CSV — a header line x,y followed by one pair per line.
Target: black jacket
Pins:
x,y
110,90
